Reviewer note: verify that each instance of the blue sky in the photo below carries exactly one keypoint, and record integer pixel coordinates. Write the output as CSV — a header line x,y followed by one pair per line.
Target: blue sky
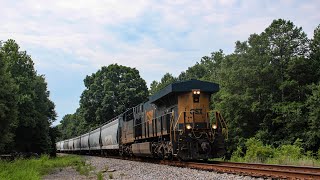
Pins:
x,y
71,39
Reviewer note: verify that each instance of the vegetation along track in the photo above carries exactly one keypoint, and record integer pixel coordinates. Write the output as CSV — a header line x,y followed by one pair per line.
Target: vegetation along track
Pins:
x,y
259,170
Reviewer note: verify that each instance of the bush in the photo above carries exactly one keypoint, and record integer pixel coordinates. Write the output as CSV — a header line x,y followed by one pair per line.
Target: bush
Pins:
x,y
237,155
257,152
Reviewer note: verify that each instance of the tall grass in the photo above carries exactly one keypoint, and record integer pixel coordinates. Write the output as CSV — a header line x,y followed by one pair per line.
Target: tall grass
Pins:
x,y
288,154
34,168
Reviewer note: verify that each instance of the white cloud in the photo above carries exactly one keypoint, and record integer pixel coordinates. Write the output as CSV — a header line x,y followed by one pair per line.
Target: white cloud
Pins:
x,y
89,30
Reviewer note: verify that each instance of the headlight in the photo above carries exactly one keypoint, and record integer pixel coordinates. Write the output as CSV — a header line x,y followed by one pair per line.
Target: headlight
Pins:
x,y
188,126
214,126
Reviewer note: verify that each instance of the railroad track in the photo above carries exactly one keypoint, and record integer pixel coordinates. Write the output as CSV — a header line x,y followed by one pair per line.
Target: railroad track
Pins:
x,y
256,170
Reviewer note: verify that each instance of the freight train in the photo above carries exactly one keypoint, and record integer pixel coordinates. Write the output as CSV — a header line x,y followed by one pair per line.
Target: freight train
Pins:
x,y
176,122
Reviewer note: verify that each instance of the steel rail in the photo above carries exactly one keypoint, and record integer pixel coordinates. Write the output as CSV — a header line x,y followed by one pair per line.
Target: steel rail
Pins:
x,y
310,169
259,170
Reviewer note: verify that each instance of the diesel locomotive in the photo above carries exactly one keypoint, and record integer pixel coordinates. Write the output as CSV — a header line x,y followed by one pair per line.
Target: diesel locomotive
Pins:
x,y
176,122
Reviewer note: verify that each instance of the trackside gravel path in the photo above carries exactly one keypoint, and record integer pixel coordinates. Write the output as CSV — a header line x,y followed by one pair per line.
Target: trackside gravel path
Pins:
x,y
123,169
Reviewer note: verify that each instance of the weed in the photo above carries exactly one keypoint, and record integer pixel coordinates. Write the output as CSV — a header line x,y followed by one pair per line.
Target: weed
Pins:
x,y
100,175
110,176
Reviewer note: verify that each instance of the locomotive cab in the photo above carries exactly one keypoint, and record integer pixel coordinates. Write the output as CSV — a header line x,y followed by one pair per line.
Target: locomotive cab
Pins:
x,y
199,132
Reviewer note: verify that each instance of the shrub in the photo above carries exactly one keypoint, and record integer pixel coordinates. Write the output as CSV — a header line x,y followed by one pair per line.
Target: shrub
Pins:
x,y
237,155
257,152
286,154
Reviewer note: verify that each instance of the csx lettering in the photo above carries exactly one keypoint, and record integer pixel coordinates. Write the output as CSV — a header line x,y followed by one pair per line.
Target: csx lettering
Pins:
x,y
196,111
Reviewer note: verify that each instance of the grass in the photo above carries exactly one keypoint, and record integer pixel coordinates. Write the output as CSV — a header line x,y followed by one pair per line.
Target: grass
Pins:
x,y
35,168
84,169
100,175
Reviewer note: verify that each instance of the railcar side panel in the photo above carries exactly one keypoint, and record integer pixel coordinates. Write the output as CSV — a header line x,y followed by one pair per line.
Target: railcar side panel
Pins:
x,y
109,135
65,145
94,139
85,141
61,145
58,146
77,143
70,145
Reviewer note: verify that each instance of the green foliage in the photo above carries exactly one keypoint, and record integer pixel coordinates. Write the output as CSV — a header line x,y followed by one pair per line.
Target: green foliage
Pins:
x,y
237,155
315,54
8,107
266,85
83,168
73,125
100,175
34,168
165,80
290,154
31,111
313,102
256,151
110,91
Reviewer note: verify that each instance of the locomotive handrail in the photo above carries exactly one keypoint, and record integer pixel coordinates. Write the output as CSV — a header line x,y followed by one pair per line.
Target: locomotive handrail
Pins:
x,y
171,122
222,121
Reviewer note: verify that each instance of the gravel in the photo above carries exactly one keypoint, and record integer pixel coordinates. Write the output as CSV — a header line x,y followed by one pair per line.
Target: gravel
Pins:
x,y
123,169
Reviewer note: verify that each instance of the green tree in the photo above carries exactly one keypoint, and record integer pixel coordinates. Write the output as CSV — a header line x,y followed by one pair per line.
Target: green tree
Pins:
x,y
264,86
73,125
110,91
8,107
315,54
288,49
207,69
313,132
165,81
35,110
313,101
